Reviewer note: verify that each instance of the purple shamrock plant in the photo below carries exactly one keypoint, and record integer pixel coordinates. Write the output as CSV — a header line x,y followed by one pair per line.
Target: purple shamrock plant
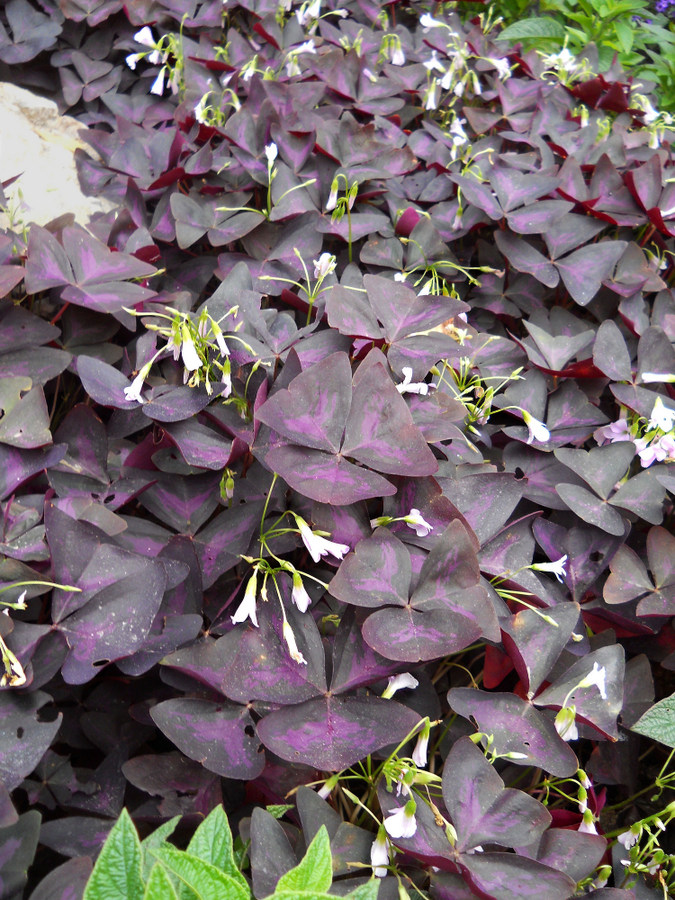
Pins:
x,y
335,460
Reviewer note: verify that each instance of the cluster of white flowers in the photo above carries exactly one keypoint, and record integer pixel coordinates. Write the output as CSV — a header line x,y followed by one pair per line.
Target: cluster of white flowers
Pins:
x,y
564,66
155,55
182,340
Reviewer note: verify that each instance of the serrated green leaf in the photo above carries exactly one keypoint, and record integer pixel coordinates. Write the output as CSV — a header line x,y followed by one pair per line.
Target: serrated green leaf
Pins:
x,y
212,842
279,809
314,872
537,27
204,880
658,722
367,891
117,873
158,837
159,885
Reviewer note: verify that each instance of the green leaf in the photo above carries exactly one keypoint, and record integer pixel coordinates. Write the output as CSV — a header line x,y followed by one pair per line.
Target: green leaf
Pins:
x,y
658,722
212,842
537,27
367,891
117,873
279,809
204,880
158,837
315,871
159,885
300,895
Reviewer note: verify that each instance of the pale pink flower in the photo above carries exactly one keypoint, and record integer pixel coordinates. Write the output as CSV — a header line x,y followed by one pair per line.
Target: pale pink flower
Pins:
x,y
416,521
614,432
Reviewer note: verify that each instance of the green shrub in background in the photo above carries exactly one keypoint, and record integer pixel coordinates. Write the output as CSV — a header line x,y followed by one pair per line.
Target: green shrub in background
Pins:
x,y
640,35
209,869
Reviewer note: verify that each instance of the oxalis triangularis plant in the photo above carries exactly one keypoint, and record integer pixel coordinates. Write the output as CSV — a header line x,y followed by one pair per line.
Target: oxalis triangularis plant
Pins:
x,y
335,462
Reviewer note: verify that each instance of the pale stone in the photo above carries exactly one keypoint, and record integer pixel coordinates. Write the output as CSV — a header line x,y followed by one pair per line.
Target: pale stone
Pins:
x,y
38,143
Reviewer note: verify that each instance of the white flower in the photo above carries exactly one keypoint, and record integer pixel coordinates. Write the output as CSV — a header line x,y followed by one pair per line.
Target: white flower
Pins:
x,y
247,607
408,386
289,637
158,84
333,196
400,276
379,854
420,754
427,21
324,265
191,359
299,595
308,12
318,546
292,67
271,152
402,823
200,110
629,838
133,59
458,89
662,417
431,95
144,36
565,723
557,567
650,114
133,392
399,682
657,377
588,823
537,430
397,56
596,677
503,68
307,47
226,379
222,345
433,64
420,526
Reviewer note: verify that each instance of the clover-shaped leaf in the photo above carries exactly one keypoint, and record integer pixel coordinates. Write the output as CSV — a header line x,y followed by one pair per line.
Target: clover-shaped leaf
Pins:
x,y
630,579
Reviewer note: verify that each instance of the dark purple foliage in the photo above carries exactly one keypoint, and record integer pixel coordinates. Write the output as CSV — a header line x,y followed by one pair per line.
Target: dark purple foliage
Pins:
x,y
462,382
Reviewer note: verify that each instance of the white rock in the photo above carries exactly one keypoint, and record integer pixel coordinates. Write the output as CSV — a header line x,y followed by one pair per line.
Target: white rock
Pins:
x,y
38,144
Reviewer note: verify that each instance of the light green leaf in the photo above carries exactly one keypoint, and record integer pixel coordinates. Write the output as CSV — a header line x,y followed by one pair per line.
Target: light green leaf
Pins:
x,y
158,837
658,722
117,873
159,885
537,27
205,881
315,870
300,895
367,891
212,842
